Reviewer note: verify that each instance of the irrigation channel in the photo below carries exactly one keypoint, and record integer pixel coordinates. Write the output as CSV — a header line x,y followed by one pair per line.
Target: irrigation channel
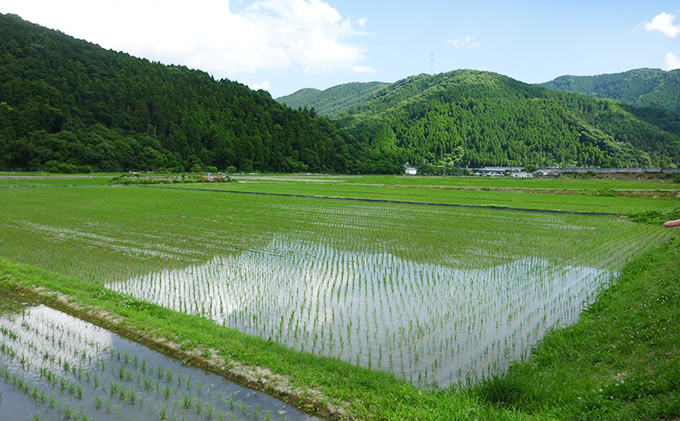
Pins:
x,y
56,367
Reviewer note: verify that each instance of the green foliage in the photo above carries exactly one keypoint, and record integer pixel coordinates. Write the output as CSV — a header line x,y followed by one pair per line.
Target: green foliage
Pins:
x,y
618,362
495,120
655,217
530,168
676,179
67,101
641,87
333,100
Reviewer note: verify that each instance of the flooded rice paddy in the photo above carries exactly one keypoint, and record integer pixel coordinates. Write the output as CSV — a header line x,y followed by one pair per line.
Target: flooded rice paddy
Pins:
x,y
433,295
428,323
56,367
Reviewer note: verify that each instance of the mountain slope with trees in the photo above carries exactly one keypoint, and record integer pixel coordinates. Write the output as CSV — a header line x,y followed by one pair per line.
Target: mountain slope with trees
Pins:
x,y
68,103
333,100
641,87
477,118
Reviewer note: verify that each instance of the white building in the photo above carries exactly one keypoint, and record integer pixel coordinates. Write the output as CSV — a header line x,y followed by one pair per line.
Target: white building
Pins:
x,y
411,171
497,171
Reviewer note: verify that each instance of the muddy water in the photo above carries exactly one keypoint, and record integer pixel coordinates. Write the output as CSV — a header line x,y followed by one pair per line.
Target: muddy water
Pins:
x,y
54,367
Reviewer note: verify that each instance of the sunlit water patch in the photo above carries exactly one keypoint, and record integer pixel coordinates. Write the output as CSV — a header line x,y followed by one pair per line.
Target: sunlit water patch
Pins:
x,y
428,323
56,367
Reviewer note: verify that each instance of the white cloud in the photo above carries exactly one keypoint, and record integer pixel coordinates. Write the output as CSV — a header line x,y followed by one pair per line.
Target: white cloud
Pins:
x,y
664,24
672,61
264,85
466,43
362,22
206,34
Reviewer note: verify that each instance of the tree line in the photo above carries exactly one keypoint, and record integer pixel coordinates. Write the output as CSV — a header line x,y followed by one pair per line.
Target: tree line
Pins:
x,y
67,103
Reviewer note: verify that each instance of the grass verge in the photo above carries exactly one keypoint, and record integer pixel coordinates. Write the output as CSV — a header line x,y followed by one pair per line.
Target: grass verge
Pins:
x,y
320,385
620,361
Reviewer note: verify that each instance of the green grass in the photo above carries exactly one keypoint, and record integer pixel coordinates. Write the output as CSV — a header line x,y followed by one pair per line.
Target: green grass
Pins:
x,y
600,197
621,361
111,233
369,394
561,183
451,182
84,237
64,180
626,344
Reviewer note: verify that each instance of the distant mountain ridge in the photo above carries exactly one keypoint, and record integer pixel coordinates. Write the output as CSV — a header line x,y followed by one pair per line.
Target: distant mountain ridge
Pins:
x,y
640,87
333,100
468,117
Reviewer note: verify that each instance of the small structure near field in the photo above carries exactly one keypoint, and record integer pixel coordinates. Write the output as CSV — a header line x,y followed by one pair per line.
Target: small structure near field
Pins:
x,y
547,173
411,170
497,171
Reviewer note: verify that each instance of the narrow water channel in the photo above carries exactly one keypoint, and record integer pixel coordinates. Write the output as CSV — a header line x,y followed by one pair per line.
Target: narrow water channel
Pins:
x,y
56,367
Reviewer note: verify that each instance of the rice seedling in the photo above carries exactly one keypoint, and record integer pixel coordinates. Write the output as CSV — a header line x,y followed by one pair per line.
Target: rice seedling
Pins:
x,y
98,401
434,295
186,401
119,390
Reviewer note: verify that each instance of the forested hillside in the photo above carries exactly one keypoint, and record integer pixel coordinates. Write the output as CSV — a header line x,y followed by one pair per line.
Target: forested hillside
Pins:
x,y
641,87
478,118
67,103
333,100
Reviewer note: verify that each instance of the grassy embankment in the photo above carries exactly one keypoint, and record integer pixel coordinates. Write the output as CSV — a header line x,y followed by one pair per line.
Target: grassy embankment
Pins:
x,y
620,361
600,196
366,394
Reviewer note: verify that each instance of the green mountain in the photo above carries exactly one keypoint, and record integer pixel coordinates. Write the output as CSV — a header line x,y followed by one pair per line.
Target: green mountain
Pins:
x,y
641,87
480,118
67,102
333,100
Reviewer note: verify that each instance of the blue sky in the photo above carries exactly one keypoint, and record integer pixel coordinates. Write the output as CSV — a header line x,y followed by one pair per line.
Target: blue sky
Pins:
x,y
286,45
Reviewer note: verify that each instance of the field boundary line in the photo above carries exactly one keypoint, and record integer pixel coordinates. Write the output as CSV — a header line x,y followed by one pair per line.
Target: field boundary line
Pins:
x,y
355,199
401,202
55,186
